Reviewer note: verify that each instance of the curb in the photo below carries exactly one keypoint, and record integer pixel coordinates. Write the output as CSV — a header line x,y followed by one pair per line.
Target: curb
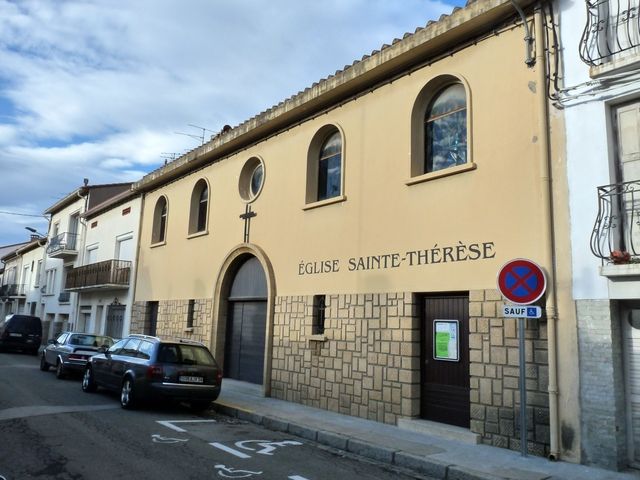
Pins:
x,y
422,465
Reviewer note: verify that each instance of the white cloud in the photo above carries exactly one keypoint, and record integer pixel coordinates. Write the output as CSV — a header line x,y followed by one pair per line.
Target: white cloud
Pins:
x,y
97,88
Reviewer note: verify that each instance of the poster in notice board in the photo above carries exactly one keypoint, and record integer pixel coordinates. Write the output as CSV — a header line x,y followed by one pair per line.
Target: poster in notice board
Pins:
x,y
446,344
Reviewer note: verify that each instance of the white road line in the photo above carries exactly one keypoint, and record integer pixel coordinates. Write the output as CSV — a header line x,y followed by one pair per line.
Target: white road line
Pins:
x,y
297,477
230,450
170,423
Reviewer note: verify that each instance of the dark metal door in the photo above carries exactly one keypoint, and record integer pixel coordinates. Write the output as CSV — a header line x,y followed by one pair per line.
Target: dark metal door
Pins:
x,y
115,321
445,357
153,319
244,354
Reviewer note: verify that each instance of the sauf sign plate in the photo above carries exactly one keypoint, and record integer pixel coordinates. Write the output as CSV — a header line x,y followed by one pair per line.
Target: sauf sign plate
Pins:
x,y
517,311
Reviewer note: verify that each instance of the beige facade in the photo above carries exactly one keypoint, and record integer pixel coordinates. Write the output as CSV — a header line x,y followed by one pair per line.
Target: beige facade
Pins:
x,y
393,236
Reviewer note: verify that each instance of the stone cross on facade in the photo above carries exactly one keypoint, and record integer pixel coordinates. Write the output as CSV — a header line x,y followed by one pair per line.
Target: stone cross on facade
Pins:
x,y
247,216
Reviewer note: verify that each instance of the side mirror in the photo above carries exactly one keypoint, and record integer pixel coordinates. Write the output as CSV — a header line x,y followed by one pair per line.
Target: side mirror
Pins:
x,y
103,349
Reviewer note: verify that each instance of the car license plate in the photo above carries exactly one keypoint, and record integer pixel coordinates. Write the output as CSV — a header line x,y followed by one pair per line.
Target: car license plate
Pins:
x,y
189,379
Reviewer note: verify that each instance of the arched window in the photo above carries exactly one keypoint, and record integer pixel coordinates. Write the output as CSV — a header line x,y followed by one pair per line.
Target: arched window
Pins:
x,y
159,230
199,207
445,129
330,167
325,167
441,139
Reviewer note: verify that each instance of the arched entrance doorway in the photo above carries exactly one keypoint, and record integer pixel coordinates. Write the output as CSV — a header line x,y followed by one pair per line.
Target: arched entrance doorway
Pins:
x,y
246,323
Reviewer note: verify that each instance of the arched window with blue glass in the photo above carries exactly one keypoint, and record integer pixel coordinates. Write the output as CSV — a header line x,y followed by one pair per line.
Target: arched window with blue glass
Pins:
x,y
445,129
330,167
159,227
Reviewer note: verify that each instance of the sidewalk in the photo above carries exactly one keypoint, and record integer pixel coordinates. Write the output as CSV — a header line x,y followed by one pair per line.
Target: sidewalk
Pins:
x,y
427,454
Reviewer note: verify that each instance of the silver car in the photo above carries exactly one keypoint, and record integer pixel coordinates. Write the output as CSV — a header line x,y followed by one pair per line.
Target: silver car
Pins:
x,y
70,351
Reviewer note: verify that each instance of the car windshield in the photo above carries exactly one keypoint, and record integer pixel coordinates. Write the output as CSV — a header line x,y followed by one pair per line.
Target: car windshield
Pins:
x,y
84,340
185,354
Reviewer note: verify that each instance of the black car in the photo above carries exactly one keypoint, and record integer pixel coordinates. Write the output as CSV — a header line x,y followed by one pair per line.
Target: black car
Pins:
x,y
21,332
142,367
70,351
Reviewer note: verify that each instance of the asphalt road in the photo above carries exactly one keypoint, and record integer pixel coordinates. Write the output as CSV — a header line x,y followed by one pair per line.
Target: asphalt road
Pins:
x,y
50,429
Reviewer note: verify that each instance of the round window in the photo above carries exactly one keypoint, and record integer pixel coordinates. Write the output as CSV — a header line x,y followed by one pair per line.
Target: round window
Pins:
x,y
251,179
256,180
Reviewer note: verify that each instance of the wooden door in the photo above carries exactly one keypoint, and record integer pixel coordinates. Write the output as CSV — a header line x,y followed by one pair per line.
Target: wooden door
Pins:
x,y
627,121
445,359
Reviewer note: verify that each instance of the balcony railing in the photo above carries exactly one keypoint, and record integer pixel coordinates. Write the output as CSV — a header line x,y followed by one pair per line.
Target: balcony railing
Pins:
x,y
612,27
12,290
63,242
616,233
107,274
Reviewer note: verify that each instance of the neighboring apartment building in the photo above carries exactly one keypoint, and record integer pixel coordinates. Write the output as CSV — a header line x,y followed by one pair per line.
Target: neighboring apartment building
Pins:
x,y
12,291
321,247
32,260
65,250
103,280
600,94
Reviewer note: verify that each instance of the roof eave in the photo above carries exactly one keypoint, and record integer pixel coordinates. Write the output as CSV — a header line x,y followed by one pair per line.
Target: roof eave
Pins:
x,y
435,39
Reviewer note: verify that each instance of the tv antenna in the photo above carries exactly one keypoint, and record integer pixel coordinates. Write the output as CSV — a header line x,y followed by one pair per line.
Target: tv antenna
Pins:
x,y
196,137
168,156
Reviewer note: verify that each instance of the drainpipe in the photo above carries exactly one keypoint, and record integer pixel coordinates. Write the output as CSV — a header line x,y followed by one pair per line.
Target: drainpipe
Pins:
x,y
75,314
548,232
133,279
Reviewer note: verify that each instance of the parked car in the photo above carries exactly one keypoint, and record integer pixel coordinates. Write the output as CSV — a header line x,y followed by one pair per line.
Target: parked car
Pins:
x,y
71,350
142,367
21,332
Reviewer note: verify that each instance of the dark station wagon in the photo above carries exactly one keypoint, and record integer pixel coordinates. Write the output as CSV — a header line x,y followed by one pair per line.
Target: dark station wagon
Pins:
x,y
21,332
142,367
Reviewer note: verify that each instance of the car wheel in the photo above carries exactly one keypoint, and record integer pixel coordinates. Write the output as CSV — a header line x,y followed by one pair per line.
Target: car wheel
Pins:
x,y
127,394
200,405
88,383
44,366
60,373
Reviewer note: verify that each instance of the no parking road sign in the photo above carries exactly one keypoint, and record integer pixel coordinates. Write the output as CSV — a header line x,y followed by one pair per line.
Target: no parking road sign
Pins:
x,y
521,281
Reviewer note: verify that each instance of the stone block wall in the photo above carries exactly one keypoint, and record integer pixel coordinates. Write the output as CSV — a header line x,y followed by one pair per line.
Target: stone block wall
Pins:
x,y
369,364
603,422
139,318
494,371
172,319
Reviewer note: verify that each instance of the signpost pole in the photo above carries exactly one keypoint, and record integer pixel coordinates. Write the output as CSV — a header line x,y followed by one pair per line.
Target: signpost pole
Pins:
x,y
523,388
522,282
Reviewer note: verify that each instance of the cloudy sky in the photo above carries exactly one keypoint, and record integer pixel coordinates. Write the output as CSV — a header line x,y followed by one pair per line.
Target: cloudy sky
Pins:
x,y
99,88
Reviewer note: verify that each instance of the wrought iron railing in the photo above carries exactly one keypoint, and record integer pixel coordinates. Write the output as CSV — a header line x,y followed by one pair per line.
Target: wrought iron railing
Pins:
x,y
613,26
616,232
109,272
12,290
63,241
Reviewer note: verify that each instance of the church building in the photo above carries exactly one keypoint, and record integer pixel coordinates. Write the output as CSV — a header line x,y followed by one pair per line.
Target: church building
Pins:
x,y
341,249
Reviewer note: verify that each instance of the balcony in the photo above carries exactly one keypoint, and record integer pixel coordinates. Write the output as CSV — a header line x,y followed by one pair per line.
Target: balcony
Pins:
x,y
107,275
612,32
616,237
12,290
63,246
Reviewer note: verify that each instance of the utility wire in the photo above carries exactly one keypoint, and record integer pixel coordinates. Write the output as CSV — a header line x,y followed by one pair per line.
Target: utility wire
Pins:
x,y
22,214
